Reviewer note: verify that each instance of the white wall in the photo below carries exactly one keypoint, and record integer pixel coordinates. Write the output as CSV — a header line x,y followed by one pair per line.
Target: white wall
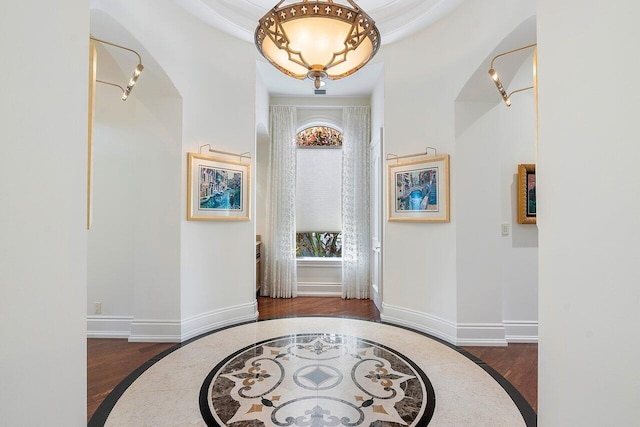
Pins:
x,y
319,277
478,192
378,201
519,250
261,103
431,289
262,181
43,266
111,241
500,271
587,182
377,104
217,274
135,236
261,174
218,259
157,194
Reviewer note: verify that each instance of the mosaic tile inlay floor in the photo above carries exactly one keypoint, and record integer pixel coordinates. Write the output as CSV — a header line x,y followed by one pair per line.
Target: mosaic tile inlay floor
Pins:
x,y
314,372
317,380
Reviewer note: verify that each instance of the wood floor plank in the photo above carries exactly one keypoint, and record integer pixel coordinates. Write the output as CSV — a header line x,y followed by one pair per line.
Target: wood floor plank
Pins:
x,y
109,361
518,363
312,306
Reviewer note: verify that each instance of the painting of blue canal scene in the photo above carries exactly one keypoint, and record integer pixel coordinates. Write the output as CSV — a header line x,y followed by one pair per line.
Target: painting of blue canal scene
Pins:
x,y
417,190
220,189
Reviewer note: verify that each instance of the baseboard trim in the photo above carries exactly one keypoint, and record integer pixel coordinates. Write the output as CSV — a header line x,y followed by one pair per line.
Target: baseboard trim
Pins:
x,y
109,326
521,331
155,330
481,334
467,334
430,324
160,330
320,294
459,334
216,319
320,289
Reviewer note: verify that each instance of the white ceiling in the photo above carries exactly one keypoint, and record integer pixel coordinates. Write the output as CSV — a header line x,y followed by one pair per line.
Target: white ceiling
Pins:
x,y
395,19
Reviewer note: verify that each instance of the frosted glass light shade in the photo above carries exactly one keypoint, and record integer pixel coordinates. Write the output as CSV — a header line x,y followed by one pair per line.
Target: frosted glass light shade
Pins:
x,y
317,39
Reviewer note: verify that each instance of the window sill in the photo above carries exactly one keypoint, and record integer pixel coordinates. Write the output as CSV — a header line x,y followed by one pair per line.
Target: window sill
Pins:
x,y
319,262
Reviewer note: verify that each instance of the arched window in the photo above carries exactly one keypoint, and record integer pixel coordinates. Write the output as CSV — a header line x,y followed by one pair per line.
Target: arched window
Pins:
x,y
319,136
318,205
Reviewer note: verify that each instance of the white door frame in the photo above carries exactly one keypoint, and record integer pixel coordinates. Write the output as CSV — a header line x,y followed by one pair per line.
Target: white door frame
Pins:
x,y
376,213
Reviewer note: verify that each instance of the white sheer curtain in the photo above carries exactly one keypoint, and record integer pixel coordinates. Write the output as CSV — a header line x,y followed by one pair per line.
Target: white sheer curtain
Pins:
x,y
355,203
280,279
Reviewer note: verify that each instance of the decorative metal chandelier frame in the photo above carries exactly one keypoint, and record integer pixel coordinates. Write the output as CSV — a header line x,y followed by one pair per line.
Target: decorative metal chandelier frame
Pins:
x,y
275,39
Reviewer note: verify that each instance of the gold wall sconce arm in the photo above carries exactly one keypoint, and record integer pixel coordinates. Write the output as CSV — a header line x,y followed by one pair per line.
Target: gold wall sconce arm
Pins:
x,y
126,91
506,97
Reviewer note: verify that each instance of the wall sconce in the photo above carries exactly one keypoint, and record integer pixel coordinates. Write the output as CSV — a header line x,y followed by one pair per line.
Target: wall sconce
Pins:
x,y
496,79
136,72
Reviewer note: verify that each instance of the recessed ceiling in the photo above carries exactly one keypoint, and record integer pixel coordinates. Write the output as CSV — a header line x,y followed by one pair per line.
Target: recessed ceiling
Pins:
x,y
395,19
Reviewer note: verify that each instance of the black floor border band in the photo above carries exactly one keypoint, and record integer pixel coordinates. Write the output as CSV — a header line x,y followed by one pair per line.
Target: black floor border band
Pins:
x,y
99,418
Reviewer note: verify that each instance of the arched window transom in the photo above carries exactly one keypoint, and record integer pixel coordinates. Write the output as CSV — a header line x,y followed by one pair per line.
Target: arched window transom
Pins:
x,y
319,136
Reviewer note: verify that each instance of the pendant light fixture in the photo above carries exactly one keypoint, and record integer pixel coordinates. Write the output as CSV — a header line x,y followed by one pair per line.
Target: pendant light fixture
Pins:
x,y
317,39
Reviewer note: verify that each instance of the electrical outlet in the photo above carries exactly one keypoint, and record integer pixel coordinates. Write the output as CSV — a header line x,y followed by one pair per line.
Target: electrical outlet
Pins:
x,y
505,229
97,308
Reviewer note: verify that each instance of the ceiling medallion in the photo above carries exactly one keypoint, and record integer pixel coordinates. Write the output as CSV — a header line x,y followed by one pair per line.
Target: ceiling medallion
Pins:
x,y
317,39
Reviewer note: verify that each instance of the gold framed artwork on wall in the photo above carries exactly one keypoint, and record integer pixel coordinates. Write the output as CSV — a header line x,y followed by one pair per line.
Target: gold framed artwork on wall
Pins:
x,y
419,190
217,189
526,193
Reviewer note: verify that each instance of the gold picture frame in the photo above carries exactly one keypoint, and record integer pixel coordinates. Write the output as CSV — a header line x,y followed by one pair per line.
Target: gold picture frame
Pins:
x,y
419,190
527,193
217,189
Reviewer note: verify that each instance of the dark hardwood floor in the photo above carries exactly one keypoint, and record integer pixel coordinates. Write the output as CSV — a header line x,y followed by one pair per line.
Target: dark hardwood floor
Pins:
x,y
109,361
518,363
309,306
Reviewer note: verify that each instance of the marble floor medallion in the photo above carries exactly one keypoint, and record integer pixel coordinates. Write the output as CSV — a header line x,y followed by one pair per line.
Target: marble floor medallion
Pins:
x,y
314,372
317,379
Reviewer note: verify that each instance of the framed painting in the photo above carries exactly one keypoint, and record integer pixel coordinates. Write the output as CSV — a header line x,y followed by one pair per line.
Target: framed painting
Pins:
x,y
217,189
419,190
526,194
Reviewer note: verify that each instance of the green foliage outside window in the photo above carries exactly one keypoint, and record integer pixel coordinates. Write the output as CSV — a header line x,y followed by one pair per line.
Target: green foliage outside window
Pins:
x,y
319,244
